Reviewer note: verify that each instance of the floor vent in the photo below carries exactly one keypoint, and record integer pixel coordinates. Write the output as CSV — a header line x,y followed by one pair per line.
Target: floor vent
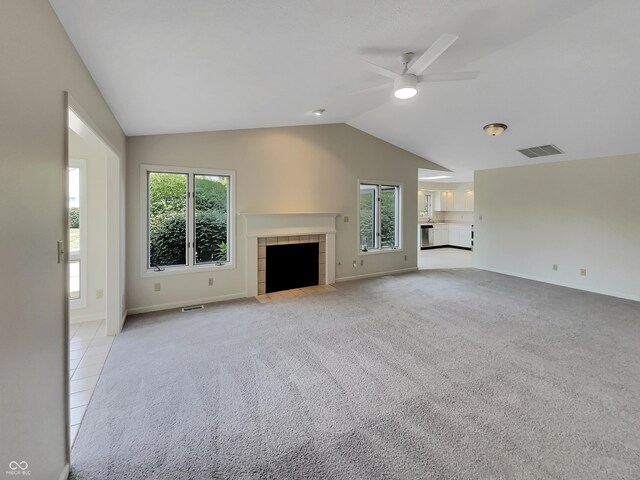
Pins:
x,y
541,151
192,308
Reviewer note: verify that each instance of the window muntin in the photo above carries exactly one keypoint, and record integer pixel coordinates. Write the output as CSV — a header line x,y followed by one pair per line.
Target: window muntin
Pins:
x,y
189,218
379,216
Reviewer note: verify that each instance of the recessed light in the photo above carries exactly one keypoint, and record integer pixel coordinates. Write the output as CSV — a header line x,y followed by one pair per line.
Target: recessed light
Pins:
x,y
495,129
319,112
437,177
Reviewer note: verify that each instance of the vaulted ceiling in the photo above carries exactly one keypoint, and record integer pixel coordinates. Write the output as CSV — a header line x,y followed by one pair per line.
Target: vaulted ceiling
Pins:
x,y
565,73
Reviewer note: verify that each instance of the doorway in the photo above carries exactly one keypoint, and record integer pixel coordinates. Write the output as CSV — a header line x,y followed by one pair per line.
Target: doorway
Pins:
x,y
95,282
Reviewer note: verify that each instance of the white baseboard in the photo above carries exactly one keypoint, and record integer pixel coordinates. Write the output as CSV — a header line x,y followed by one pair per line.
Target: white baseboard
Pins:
x,y
563,284
377,274
64,475
86,318
185,303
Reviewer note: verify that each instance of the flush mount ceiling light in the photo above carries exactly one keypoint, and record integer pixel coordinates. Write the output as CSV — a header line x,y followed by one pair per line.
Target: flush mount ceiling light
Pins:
x,y
437,177
495,129
319,112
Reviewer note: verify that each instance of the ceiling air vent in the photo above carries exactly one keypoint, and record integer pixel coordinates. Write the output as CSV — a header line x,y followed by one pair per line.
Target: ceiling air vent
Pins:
x,y
542,151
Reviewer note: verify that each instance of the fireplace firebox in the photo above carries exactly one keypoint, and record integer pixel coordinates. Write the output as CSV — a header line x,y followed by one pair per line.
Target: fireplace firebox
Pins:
x,y
293,265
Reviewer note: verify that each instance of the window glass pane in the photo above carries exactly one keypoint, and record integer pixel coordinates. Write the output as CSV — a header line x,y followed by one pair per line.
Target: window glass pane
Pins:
x,y
389,216
167,219
212,218
74,279
367,216
74,210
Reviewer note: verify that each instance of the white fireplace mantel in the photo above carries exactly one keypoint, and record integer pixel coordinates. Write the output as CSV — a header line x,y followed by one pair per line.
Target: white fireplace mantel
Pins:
x,y
258,225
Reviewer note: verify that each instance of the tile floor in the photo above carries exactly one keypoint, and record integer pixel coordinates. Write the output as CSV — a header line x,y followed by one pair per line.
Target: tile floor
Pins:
x,y
444,258
296,292
88,350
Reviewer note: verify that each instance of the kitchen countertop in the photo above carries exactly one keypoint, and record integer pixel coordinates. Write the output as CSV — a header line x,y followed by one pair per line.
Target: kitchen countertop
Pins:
x,y
445,223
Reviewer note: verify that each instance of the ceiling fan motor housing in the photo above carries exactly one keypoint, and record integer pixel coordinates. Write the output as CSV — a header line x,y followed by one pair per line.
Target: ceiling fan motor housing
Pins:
x,y
405,86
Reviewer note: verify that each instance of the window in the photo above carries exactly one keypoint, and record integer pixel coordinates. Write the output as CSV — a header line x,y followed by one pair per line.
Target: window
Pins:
x,y
379,216
77,236
189,218
426,209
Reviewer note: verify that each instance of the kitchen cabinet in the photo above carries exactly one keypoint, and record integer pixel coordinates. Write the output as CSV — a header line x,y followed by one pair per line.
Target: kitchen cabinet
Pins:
x,y
445,201
454,201
460,235
468,201
440,235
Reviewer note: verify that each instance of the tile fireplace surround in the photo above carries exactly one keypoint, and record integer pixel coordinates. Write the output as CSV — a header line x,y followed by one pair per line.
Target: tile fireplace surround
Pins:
x,y
283,228
264,242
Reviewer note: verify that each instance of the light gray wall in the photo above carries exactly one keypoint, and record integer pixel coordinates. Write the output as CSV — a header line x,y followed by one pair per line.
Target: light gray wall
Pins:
x,y
38,63
291,169
577,214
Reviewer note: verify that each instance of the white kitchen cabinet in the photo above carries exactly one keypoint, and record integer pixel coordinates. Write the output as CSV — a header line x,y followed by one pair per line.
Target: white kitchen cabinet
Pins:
x,y
440,235
445,201
460,235
454,235
465,236
468,201
458,201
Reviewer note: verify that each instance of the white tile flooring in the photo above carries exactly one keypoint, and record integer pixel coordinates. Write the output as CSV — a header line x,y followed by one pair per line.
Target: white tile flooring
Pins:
x,y
88,350
444,258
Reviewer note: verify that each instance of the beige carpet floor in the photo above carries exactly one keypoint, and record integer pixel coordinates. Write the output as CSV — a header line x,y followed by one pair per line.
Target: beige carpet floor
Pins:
x,y
458,374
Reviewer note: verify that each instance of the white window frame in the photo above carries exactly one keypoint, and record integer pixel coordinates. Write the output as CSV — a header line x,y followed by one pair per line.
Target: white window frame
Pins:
x,y
80,302
190,267
399,209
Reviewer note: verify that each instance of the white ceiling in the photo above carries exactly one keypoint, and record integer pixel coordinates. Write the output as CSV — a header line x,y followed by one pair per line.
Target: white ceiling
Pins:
x,y
564,72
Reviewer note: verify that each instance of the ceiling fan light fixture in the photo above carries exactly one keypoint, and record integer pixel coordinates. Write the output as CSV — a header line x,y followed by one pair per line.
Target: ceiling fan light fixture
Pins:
x,y
495,129
405,86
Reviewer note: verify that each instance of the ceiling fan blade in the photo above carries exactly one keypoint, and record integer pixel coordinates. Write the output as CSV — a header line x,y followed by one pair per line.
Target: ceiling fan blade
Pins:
x,y
432,53
375,88
380,70
449,77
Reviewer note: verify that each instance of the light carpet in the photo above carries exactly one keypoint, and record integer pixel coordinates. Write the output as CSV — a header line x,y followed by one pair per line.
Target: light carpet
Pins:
x,y
458,374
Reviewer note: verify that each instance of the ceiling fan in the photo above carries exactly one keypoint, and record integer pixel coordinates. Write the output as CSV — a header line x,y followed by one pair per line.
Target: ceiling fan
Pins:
x,y
405,84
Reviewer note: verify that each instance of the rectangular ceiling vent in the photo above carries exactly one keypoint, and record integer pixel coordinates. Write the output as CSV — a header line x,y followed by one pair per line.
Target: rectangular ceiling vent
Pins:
x,y
541,151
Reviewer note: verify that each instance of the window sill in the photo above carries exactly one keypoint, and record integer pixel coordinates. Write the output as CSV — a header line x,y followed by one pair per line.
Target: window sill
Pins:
x,y
169,271
379,251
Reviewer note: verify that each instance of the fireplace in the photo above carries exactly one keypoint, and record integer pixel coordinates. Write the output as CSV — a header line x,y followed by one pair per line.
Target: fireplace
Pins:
x,y
291,261
263,230
291,266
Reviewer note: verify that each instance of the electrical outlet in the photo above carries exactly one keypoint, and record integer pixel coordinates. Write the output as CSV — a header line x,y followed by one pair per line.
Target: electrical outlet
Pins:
x,y
362,263
405,258
210,281
346,219
99,293
355,264
156,287
555,267
583,272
